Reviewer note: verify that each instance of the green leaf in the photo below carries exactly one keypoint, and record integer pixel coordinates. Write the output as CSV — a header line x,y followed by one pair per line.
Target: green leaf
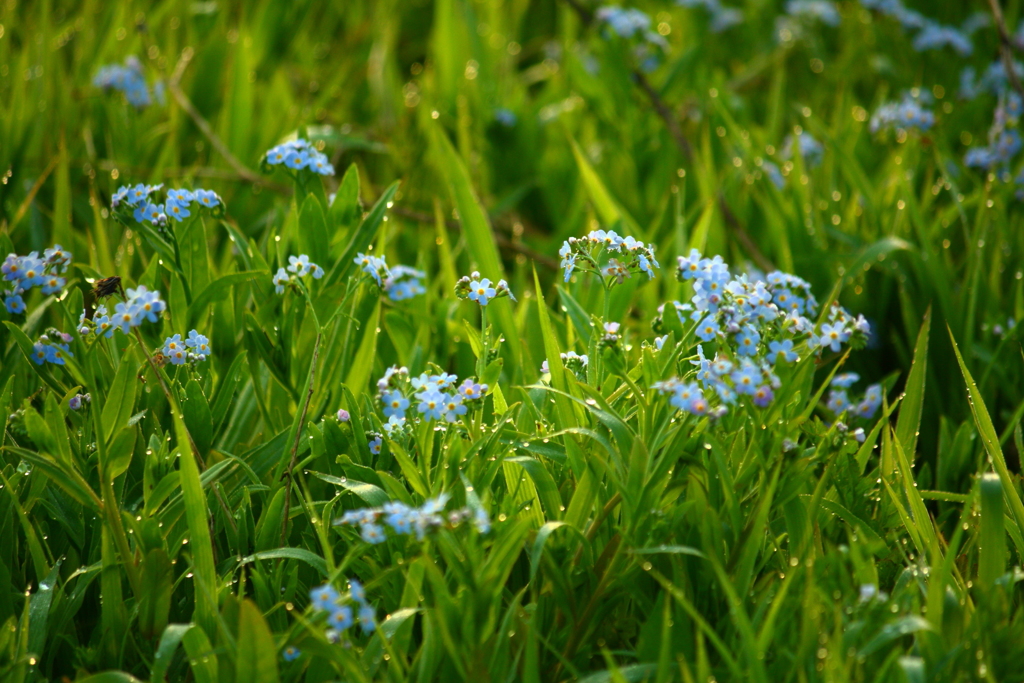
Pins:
x,y
256,661
198,418
992,544
374,496
362,237
541,540
268,531
169,642
990,438
110,677
119,452
195,256
607,208
909,421
314,239
202,656
301,554
119,403
216,291
39,610
477,230
346,209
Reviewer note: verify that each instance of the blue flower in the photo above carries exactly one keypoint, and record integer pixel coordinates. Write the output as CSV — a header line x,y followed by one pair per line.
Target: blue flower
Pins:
x,y
845,380
52,284
373,533
781,350
183,197
199,344
57,256
299,265
75,402
39,353
470,390
746,378
102,322
708,328
297,159
838,401
291,653
355,589
481,291
367,619
763,396
340,617
323,597
207,198
394,404
177,210
148,303
151,213
821,10
748,339
126,316
454,407
375,445
173,345
832,336
14,303
374,266
318,163
281,278
431,404
32,272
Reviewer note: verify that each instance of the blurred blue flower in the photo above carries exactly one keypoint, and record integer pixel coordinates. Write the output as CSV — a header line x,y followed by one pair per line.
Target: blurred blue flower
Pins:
x,y
821,10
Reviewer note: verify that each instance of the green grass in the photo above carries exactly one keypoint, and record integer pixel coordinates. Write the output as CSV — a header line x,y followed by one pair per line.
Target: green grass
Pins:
x,y
173,528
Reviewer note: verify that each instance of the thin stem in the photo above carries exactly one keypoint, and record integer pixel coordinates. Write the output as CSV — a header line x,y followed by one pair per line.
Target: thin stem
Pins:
x,y
1005,47
481,362
298,434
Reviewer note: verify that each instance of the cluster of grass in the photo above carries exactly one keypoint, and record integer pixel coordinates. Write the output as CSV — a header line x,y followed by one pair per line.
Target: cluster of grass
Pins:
x,y
173,526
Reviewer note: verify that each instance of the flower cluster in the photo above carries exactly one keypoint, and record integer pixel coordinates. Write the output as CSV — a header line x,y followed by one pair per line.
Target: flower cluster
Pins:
x,y
128,79
906,114
1003,146
755,325
327,599
634,24
26,272
722,18
437,396
994,80
811,151
577,364
78,400
819,10
194,349
609,255
935,36
47,350
480,290
374,266
408,521
932,35
402,282
297,155
298,266
839,400
176,206
142,304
